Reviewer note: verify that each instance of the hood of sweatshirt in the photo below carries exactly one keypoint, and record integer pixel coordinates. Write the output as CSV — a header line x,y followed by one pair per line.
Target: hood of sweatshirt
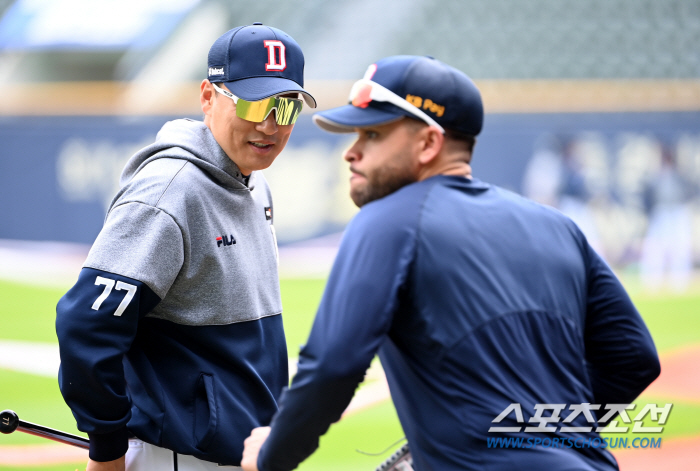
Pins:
x,y
189,140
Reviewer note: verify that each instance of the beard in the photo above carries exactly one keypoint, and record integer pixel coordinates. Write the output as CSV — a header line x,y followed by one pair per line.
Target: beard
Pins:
x,y
382,182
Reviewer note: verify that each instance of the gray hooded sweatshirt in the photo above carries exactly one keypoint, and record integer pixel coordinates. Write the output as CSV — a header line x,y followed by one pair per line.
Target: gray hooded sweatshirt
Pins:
x,y
186,270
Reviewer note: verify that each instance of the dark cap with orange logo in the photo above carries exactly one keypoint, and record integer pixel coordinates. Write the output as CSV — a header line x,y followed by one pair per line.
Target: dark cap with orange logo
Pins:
x,y
419,87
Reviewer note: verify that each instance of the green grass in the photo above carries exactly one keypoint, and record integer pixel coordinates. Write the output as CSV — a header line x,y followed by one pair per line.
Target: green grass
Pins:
x,y
674,321
35,399
370,431
300,298
27,313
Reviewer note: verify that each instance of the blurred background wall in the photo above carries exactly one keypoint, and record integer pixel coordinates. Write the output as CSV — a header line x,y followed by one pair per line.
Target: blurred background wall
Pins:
x,y
593,107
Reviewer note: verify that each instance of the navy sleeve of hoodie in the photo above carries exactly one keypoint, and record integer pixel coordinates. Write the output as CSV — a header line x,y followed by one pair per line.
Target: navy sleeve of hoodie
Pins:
x,y
620,353
96,321
352,321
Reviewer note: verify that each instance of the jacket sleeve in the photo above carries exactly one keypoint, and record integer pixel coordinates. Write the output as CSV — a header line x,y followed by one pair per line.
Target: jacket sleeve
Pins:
x,y
96,321
352,321
133,262
620,353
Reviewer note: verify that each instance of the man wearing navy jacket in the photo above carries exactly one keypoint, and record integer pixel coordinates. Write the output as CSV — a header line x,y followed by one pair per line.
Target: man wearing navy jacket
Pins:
x,y
473,297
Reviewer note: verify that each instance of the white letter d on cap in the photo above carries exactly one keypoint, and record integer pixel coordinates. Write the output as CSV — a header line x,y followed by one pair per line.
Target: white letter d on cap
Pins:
x,y
274,45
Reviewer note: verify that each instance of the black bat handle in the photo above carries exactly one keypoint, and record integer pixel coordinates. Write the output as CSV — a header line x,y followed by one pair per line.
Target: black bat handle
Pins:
x,y
9,422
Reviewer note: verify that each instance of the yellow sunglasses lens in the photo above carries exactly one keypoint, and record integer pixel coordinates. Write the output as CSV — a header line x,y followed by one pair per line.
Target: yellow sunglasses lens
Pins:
x,y
287,109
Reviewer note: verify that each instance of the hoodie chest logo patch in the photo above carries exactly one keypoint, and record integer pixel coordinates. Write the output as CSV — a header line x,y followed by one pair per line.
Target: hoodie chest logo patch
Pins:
x,y
268,213
225,241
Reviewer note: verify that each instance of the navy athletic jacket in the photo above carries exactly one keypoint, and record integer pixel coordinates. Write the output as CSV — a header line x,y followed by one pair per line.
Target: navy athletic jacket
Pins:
x,y
475,298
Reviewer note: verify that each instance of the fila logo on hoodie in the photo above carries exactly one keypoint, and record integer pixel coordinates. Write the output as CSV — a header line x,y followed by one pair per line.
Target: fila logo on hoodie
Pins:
x,y
226,241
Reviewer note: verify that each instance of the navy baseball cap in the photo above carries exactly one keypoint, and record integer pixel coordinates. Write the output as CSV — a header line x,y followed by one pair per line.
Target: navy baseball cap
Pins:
x,y
446,95
257,62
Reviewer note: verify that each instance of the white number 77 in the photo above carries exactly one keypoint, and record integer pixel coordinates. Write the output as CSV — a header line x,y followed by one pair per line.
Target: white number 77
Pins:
x,y
121,286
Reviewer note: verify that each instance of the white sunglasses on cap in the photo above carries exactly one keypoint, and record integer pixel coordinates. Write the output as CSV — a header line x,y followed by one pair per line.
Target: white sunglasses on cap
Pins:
x,y
365,91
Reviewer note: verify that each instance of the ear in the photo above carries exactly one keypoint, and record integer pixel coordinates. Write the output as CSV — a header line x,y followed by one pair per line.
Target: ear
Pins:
x,y
431,143
206,96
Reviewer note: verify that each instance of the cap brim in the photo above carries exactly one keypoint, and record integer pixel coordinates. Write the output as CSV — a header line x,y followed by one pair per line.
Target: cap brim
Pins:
x,y
345,119
258,88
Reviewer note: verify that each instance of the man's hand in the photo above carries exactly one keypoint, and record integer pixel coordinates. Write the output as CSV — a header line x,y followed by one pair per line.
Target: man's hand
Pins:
x,y
116,465
251,448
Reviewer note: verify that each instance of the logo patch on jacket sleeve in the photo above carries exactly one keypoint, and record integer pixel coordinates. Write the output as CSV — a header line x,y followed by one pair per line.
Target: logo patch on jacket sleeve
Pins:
x,y
268,212
226,241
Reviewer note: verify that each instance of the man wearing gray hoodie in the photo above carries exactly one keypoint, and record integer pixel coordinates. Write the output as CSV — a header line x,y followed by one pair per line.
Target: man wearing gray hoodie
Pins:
x,y
172,344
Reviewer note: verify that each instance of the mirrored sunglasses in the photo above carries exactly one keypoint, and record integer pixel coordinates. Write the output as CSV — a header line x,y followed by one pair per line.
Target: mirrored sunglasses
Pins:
x,y
287,110
365,91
